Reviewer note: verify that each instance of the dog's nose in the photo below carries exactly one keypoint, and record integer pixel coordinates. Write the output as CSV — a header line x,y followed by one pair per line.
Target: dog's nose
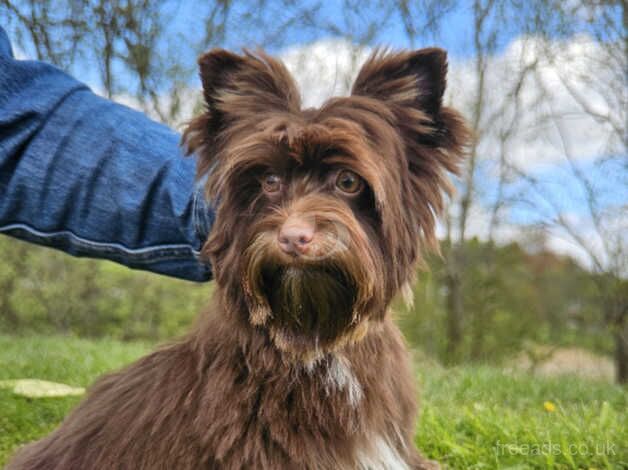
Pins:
x,y
295,236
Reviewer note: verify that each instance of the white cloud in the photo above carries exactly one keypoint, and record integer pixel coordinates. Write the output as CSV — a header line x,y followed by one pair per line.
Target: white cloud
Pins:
x,y
327,68
550,108
188,97
324,68
607,241
19,53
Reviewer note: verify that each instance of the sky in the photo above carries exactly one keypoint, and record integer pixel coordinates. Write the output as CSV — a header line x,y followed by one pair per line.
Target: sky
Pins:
x,y
323,64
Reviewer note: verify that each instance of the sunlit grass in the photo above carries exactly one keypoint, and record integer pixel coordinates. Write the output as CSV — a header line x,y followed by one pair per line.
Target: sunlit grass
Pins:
x,y
471,417
72,361
480,417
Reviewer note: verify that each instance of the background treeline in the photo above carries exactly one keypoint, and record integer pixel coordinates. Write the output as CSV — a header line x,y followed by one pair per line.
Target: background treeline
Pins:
x,y
517,300
45,291
543,86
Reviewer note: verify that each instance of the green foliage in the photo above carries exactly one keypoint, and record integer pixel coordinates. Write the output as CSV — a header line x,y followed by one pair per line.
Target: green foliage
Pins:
x,y
471,417
510,298
45,291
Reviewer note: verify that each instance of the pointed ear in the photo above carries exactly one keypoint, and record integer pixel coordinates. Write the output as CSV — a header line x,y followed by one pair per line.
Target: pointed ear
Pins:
x,y
416,78
237,89
216,69
435,136
412,84
252,79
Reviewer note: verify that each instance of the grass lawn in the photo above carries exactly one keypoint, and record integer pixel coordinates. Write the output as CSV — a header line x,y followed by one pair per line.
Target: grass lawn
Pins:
x,y
471,418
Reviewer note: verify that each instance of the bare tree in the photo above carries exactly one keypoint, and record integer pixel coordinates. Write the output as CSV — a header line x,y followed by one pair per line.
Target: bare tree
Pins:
x,y
485,37
592,75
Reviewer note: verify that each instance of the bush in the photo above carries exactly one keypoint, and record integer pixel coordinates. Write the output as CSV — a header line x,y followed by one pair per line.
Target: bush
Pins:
x,y
45,291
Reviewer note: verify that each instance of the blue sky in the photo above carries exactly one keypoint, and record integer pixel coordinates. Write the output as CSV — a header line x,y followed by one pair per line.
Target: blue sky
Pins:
x,y
186,30
608,177
186,21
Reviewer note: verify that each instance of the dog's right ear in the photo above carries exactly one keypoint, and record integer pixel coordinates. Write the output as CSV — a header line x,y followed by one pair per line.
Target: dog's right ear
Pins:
x,y
243,85
217,68
237,89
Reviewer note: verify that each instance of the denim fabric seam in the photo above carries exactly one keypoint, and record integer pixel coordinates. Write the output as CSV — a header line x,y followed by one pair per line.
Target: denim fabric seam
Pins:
x,y
147,254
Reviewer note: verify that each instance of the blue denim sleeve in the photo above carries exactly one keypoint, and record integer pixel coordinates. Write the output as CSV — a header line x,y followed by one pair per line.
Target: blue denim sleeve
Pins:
x,y
94,178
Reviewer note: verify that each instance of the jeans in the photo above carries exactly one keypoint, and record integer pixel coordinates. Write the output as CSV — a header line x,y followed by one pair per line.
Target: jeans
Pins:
x,y
94,178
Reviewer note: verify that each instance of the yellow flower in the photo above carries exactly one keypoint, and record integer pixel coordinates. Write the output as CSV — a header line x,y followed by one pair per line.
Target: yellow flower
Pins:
x,y
549,406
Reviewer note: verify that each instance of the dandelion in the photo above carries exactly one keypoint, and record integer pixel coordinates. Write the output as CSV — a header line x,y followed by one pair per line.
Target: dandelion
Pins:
x,y
549,406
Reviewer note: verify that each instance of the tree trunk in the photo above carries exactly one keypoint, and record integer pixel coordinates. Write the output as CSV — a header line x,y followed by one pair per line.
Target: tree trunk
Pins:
x,y
454,317
621,352
479,328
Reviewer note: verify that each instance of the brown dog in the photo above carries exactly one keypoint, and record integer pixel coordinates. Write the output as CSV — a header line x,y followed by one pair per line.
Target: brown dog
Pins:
x,y
321,218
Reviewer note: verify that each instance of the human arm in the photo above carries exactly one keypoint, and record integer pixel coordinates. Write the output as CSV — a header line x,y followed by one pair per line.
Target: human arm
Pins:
x,y
92,177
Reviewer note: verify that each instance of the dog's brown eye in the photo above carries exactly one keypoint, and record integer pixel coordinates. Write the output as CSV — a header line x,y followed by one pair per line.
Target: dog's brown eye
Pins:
x,y
271,183
348,182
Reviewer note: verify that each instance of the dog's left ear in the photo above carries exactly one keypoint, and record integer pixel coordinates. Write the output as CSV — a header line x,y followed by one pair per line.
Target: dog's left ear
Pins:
x,y
411,84
237,89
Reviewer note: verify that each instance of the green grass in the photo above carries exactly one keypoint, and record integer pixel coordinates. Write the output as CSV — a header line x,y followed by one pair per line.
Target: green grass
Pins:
x,y
480,417
71,361
471,417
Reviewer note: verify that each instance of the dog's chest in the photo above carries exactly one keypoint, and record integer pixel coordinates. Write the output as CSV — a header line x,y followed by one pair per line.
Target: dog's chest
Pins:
x,y
374,452
338,377
380,455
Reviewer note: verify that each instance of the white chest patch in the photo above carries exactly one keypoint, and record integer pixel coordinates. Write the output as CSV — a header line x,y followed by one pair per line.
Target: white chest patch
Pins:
x,y
340,377
381,456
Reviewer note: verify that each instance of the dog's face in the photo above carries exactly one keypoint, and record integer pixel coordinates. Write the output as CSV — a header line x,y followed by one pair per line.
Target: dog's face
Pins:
x,y
322,213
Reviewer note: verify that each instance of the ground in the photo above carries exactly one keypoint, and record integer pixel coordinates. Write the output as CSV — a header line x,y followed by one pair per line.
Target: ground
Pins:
x,y
471,417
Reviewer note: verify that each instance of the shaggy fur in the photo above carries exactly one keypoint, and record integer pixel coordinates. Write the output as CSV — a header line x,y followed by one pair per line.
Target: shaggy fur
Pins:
x,y
296,364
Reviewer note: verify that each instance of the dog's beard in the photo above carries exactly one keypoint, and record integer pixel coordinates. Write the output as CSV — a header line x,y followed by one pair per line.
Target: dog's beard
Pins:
x,y
312,303
315,301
